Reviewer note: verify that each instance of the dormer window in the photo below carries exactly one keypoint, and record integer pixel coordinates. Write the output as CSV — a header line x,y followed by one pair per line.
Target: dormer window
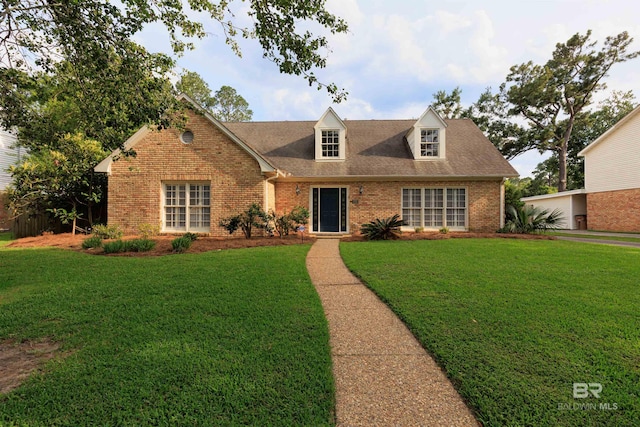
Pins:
x,y
429,143
331,143
427,138
330,138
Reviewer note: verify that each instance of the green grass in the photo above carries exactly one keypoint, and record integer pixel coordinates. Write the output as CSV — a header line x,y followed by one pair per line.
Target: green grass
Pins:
x,y
515,323
5,238
222,338
596,237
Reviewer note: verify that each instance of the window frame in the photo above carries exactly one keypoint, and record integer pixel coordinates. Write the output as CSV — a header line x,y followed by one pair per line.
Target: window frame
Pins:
x,y
332,146
443,209
202,210
430,148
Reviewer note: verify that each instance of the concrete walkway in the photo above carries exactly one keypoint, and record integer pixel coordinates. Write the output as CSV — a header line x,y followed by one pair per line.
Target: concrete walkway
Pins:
x,y
383,376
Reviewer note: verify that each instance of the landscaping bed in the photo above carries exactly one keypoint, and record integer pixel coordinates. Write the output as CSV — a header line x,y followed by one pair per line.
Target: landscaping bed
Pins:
x,y
163,243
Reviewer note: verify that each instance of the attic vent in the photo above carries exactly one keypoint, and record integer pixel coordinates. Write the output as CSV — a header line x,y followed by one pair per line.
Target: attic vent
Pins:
x,y
186,137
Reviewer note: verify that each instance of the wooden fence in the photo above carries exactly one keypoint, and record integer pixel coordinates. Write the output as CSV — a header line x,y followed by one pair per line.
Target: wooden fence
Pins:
x,y
27,226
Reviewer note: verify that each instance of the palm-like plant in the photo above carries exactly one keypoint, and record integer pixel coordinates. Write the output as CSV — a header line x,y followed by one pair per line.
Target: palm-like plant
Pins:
x,y
382,229
530,219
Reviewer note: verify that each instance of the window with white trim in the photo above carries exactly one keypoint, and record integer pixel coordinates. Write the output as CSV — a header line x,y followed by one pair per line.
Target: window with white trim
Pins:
x,y
187,207
434,207
330,143
429,143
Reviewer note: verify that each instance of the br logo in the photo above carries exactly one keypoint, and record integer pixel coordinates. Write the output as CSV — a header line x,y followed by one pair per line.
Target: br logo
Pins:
x,y
583,390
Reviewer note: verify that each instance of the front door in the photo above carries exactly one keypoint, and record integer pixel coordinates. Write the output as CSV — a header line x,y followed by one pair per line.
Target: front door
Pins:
x,y
329,210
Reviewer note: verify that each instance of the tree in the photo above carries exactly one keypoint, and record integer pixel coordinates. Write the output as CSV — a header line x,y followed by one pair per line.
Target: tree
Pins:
x,y
551,97
229,106
588,127
226,105
489,113
62,114
448,105
192,84
59,180
106,98
36,33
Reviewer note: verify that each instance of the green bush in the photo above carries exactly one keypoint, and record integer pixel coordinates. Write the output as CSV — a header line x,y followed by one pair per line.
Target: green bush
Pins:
x,y
382,229
254,216
114,247
107,231
444,230
139,245
288,222
529,219
92,242
181,244
147,230
191,236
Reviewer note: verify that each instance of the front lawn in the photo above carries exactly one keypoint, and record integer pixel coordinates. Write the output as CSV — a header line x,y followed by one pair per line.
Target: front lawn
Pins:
x,y
223,338
5,238
515,323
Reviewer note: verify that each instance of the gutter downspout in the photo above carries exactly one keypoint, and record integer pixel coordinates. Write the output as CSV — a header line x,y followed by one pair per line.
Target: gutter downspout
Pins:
x,y
502,202
266,190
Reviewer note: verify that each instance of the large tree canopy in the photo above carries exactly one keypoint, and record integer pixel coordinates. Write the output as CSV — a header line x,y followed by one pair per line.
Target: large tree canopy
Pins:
x,y
41,32
552,96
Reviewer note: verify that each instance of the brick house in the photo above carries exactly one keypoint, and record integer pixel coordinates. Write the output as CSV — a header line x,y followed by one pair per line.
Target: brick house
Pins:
x,y
611,197
433,172
612,177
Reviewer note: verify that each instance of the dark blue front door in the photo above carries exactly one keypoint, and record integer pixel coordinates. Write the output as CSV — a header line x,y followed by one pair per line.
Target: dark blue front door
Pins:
x,y
329,210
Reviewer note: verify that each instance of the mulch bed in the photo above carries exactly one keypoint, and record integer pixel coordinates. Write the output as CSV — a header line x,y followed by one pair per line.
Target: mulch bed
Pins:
x,y
206,244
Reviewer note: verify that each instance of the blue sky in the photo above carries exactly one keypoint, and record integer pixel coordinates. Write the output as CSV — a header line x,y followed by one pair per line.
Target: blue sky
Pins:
x,y
397,54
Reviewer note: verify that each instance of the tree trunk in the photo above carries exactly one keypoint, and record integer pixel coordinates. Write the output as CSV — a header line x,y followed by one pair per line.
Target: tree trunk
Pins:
x,y
562,156
75,216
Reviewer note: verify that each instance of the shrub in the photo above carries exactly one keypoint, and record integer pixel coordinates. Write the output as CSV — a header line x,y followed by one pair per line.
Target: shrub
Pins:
x,y
254,216
114,247
444,230
288,222
147,230
139,245
92,242
382,229
529,219
191,236
418,229
181,244
107,231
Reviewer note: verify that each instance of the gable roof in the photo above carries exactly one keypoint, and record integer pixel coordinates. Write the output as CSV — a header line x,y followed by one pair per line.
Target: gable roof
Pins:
x,y
265,165
375,148
611,130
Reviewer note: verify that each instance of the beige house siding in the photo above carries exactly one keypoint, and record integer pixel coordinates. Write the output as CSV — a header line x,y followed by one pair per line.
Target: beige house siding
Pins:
x,y
613,163
135,184
570,203
381,199
614,210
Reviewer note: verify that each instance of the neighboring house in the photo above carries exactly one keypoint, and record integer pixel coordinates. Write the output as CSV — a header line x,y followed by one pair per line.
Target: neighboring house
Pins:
x,y
433,172
611,197
612,176
9,155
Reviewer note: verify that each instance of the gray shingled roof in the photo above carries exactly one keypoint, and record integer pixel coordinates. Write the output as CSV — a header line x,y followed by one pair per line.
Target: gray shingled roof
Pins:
x,y
374,148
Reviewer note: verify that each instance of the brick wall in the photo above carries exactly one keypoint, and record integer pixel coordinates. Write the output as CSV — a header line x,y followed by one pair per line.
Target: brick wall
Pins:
x,y
614,210
135,184
383,199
